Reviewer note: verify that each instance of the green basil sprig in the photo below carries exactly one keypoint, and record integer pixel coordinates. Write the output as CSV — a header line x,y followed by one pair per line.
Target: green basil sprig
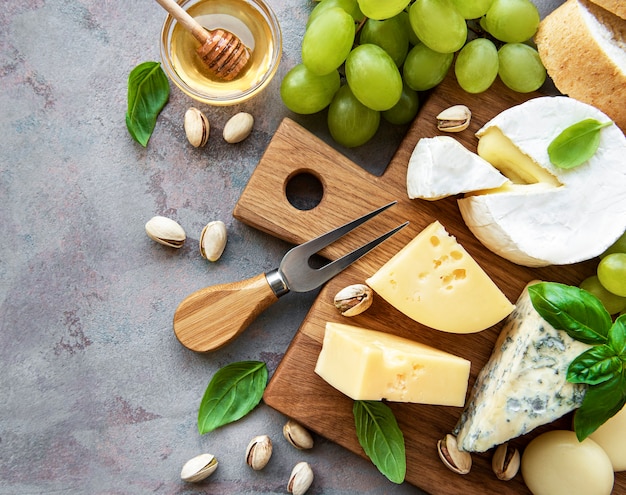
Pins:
x,y
381,438
148,92
602,367
234,391
576,144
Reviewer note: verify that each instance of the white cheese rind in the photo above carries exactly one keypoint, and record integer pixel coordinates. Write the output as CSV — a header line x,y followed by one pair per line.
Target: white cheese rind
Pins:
x,y
539,224
523,385
441,166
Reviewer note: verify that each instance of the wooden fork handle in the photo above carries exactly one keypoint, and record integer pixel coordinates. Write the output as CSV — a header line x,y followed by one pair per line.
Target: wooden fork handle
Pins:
x,y
212,317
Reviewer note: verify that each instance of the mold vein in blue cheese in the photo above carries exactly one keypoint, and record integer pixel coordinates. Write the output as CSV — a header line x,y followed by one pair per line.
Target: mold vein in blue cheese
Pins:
x,y
523,385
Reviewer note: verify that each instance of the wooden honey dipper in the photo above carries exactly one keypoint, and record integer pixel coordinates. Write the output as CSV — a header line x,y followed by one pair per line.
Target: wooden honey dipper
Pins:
x,y
222,52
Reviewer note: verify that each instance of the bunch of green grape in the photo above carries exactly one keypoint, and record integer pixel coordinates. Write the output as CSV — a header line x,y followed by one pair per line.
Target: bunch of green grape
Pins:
x,y
369,59
609,283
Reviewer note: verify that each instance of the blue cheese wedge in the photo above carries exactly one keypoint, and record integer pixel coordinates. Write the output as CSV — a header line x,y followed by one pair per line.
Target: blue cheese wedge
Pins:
x,y
523,385
441,166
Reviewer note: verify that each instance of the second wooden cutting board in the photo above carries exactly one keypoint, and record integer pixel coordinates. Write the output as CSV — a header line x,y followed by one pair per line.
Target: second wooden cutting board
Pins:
x,y
348,191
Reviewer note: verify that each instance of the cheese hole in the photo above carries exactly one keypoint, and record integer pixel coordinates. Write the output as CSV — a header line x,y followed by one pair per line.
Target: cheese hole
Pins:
x,y
457,255
435,241
454,276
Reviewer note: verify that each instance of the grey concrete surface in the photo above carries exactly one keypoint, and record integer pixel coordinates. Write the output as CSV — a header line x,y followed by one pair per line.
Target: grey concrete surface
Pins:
x,y
97,395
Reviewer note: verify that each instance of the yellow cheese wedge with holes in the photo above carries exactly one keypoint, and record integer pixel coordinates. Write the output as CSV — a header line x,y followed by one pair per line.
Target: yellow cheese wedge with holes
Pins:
x,y
370,365
436,282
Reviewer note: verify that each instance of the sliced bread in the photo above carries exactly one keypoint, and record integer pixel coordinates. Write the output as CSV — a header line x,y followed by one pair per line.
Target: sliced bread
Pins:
x,y
618,7
583,48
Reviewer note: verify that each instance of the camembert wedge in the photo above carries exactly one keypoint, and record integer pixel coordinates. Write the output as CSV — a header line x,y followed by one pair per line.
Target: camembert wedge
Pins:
x,y
436,282
523,385
370,365
441,166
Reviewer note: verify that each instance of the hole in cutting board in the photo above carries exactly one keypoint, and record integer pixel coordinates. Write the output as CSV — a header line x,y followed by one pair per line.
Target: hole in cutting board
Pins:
x,y
304,190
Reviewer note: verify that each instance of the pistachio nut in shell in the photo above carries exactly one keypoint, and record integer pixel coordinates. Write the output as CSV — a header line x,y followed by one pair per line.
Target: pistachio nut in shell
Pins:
x,y
506,462
258,452
354,299
454,119
238,127
165,231
301,478
454,459
199,468
213,240
197,127
297,435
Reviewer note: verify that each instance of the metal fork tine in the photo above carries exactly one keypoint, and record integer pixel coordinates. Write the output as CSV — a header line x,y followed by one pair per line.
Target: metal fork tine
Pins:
x,y
313,246
334,267
301,277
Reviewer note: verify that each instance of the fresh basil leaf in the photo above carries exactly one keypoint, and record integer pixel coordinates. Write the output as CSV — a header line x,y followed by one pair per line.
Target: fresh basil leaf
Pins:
x,y
574,310
234,391
617,337
601,402
148,92
595,365
576,144
381,438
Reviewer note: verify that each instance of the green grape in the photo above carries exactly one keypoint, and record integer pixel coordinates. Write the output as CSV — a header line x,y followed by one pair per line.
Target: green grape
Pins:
x,y
520,67
405,110
373,77
619,246
413,39
612,273
425,68
438,25
328,41
476,66
349,121
392,35
613,304
472,9
350,6
382,9
305,93
511,21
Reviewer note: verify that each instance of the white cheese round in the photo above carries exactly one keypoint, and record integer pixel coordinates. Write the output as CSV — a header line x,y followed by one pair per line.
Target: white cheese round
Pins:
x,y
565,216
611,436
556,463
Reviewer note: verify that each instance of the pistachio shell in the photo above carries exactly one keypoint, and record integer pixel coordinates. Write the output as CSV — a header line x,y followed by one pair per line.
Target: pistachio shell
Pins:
x,y
258,452
238,127
297,435
300,479
199,468
506,462
454,119
354,299
196,127
456,460
165,231
213,240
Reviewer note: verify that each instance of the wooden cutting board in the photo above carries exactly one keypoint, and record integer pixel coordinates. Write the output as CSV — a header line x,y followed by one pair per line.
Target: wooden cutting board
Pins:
x,y
349,191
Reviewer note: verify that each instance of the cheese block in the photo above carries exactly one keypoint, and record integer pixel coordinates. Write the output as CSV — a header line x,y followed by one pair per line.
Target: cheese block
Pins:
x,y
523,385
436,282
583,48
370,365
441,166
548,215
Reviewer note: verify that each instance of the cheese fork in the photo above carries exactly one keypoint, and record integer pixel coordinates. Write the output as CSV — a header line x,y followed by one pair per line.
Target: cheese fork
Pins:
x,y
214,316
